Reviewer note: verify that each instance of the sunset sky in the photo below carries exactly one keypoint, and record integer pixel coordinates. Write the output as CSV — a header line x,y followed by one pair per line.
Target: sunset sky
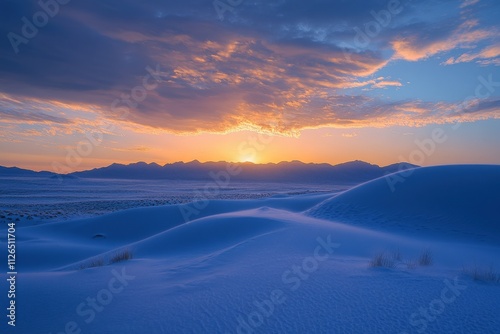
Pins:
x,y
95,82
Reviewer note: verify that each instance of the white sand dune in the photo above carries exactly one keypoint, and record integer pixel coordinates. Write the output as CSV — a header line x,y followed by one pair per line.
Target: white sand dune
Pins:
x,y
281,265
460,202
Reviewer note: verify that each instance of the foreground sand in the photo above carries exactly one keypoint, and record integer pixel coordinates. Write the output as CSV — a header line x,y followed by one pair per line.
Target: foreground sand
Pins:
x,y
298,264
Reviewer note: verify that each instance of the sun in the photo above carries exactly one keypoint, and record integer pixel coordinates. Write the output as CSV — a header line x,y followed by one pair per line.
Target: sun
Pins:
x,y
248,158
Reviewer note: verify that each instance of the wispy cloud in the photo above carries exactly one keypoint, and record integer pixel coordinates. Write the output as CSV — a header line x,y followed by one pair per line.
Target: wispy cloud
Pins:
x,y
488,56
417,47
467,3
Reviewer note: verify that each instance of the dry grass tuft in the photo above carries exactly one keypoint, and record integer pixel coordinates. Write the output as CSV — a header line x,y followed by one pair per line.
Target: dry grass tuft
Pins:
x,y
487,275
425,259
395,258
120,256
124,255
92,263
384,260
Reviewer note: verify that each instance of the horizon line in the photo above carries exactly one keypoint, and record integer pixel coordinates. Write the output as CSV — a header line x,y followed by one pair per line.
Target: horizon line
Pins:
x,y
211,161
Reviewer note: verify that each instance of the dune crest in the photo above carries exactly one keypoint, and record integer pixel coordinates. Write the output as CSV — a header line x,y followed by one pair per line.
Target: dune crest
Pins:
x,y
455,201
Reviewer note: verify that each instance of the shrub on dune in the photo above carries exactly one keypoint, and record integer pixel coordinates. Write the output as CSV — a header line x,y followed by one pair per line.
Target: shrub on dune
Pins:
x,y
121,256
97,262
488,275
425,259
395,258
383,260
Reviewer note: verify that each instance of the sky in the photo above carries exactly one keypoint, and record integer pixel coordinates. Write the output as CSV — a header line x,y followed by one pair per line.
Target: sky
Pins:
x,y
84,84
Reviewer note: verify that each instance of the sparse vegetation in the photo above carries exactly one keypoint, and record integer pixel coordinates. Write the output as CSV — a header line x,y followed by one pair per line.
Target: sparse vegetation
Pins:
x,y
396,255
120,256
383,259
124,255
395,258
425,259
95,262
487,275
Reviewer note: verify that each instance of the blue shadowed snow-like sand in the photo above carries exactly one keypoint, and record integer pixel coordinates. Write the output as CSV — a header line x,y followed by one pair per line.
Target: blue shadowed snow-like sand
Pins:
x,y
288,264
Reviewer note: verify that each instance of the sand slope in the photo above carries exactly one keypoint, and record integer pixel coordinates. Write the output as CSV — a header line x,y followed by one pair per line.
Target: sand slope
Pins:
x,y
460,202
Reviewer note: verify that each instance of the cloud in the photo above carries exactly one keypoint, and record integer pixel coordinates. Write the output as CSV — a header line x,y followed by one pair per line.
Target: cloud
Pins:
x,y
13,109
27,117
31,117
414,48
278,66
488,56
467,3
137,148
349,135
387,83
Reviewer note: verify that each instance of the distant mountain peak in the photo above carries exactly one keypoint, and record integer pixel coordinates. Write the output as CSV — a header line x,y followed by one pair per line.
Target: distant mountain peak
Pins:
x,y
291,171
19,172
356,163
